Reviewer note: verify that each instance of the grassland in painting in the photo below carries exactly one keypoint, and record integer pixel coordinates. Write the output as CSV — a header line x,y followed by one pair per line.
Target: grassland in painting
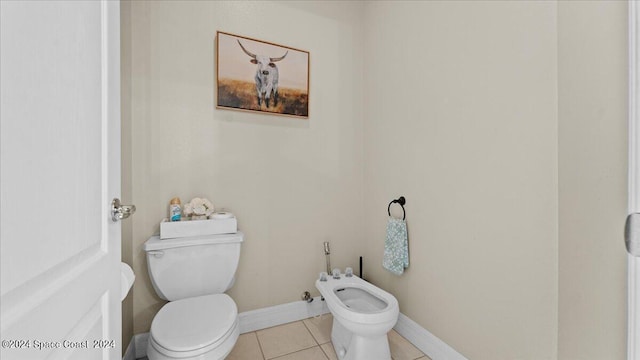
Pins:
x,y
242,95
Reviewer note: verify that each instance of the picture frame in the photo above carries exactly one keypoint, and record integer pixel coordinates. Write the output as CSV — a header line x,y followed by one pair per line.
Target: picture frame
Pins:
x,y
262,77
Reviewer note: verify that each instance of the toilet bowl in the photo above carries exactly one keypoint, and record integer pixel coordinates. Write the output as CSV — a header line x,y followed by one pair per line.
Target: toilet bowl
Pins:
x,y
204,328
200,321
363,314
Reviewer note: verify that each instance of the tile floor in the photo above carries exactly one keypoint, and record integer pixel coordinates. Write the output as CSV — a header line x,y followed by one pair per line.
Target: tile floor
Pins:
x,y
309,339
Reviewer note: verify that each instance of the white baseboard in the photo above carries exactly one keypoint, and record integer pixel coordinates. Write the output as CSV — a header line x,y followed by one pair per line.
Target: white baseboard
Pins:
x,y
253,320
271,316
140,342
130,354
280,314
428,343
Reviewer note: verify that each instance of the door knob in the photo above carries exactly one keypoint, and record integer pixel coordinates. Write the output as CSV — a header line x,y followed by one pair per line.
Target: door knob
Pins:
x,y
632,234
119,211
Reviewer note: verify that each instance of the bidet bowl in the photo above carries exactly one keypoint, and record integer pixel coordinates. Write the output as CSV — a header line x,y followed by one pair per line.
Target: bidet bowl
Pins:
x,y
363,315
363,308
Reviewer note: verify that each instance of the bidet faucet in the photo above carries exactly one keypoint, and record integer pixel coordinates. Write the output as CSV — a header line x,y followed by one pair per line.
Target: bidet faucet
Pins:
x,y
327,252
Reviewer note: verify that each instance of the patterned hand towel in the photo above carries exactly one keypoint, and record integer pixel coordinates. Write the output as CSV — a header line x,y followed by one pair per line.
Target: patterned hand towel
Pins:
x,y
396,247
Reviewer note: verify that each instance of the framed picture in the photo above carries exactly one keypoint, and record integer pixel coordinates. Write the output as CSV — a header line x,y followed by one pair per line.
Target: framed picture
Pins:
x,y
259,76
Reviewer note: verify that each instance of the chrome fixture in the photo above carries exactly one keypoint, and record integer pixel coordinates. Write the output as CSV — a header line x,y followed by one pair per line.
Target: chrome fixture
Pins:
x,y
306,296
348,272
327,253
336,273
119,211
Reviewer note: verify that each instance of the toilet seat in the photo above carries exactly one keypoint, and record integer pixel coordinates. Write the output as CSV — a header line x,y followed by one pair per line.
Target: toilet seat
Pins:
x,y
194,326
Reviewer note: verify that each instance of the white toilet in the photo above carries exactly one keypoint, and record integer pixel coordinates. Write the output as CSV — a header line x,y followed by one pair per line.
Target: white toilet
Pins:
x,y
363,314
200,321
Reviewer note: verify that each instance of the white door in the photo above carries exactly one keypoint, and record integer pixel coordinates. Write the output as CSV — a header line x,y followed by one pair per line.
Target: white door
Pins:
x,y
633,340
60,168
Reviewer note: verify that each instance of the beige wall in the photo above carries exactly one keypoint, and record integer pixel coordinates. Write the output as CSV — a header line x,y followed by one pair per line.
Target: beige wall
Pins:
x,y
502,123
126,142
461,119
592,90
293,183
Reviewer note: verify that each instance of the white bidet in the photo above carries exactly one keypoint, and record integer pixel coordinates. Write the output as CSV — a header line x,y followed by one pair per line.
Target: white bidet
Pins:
x,y
363,314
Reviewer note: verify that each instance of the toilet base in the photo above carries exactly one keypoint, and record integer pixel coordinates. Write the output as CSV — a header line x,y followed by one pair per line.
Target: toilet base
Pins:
x,y
349,346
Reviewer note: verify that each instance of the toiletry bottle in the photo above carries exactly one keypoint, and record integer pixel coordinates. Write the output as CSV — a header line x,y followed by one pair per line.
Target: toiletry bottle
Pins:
x,y
175,211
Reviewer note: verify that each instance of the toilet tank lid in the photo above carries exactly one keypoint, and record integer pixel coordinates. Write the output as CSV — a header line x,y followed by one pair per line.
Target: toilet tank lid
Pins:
x,y
154,242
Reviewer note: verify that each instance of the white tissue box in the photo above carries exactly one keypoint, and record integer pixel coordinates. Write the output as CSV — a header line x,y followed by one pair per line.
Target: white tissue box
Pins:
x,y
179,229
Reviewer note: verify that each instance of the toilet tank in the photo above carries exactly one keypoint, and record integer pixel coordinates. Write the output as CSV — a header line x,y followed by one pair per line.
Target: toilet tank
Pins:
x,y
187,267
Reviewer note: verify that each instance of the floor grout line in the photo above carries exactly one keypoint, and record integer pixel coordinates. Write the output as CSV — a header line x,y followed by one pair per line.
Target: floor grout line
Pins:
x,y
310,332
316,341
325,353
293,352
297,351
259,345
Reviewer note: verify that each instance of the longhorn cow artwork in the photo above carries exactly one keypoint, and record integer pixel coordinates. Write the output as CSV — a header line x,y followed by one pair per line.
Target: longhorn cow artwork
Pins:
x,y
254,75
266,76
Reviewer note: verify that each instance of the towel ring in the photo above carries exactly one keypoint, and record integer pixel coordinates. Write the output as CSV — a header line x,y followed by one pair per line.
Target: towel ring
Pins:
x,y
401,200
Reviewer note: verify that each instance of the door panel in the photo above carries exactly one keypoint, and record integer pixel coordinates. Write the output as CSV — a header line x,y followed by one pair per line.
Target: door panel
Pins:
x,y
60,153
633,303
